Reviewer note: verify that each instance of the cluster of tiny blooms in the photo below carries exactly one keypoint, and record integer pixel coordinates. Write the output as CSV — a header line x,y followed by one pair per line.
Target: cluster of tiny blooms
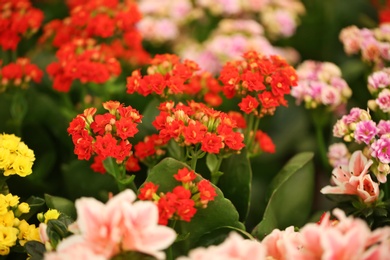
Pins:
x,y
379,87
261,81
19,74
279,17
372,44
103,231
150,150
18,18
15,156
83,60
183,201
338,154
166,76
341,238
104,135
13,228
111,22
228,41
195,125
354,179
161,23
357,126
320,83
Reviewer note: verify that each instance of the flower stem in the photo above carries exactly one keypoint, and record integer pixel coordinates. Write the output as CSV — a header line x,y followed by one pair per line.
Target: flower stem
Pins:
x,y
215,174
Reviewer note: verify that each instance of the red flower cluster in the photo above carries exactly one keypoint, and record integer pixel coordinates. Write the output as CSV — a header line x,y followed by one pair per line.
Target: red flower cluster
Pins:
x,y
166,76
19,74
183,201
206,87
83,60
261,81
105,135
112,21
196,124
150,150
17,18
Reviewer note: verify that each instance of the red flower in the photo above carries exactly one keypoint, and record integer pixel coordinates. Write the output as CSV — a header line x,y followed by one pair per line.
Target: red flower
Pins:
x,y
147,191
265,142
125,128
211,143
132,164
106,146
185,175
97,165
206,191
248,105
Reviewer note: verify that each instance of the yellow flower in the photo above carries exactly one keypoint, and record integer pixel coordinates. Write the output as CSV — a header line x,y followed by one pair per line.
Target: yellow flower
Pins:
x,y
27,232
20,166
11,200
3,205
9,142
5,158
7,219
51,214
24,207
4,250
25,151
8,236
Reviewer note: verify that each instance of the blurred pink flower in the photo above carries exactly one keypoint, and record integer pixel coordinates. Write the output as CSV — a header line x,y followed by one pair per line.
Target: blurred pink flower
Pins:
x,y
233,248
119,225
338,154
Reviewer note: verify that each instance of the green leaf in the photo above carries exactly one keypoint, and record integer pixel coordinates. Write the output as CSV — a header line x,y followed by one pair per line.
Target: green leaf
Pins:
x,y
219,213
235,182
211,162
218,235
290,196
112,167
59,227
35,249
81,181
61,204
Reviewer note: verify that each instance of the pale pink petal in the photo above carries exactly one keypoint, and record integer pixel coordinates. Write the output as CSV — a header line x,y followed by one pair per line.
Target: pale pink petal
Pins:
x,y
358,164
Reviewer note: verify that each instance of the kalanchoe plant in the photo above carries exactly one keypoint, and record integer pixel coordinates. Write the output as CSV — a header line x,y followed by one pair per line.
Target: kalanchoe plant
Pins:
x,y
105,137
364,174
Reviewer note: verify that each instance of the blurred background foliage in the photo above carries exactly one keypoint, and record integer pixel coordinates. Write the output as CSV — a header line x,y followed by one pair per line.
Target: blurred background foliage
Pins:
x,y
58,173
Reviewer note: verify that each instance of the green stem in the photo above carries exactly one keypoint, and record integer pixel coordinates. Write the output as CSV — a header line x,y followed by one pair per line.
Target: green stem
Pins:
x,y
247,134
216,173
321,144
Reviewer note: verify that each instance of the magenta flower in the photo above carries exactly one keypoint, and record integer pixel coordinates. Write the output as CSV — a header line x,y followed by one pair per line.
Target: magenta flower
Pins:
x,y
381,149
383,100
365,131
383,127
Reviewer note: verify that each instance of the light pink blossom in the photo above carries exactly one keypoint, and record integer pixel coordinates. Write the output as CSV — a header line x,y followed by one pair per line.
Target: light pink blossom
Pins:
x,y
233,248
367,190
338,154
119,225
383,127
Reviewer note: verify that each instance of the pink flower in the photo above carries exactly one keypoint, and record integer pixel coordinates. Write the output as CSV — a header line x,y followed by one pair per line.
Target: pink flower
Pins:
x,y
119,225
383,100
383,127
381,149
277,240
378,79
365,131
346,178
233,248
338,154
368,190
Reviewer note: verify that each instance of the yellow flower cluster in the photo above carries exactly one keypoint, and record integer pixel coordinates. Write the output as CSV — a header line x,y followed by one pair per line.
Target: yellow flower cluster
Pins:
x,y
15,156
12,229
